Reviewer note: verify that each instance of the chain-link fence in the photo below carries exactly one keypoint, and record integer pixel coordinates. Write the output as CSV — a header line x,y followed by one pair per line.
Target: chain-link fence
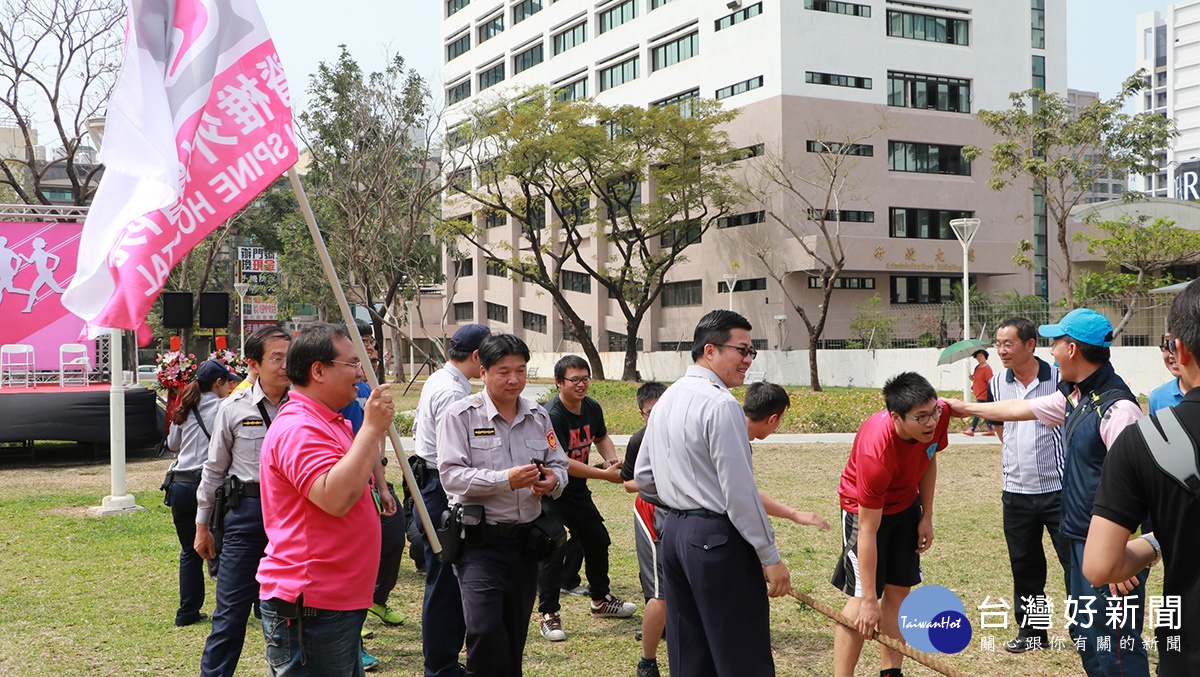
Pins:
x,y
937,325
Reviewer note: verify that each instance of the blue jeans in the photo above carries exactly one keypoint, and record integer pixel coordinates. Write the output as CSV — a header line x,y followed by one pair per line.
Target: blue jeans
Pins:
x,y
191,567
237,588
443,629
327,643
1119,659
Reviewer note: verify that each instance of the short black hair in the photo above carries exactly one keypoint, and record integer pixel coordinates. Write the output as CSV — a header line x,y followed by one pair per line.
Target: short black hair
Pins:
x,y
256,344
496,347
981,350
570,362
764,399
1184,318
650,390
1025,328
715,328
313,344
906,391
1091,353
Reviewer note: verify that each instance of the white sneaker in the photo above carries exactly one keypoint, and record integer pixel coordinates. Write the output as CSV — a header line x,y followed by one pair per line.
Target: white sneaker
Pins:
x,y
552,628
613,607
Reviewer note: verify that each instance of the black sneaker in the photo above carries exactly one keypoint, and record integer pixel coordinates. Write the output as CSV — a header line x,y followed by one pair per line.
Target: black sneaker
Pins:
x,y
1021,644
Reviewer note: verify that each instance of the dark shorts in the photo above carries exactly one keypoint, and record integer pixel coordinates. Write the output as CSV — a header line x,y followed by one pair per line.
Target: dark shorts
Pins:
x,y
897,561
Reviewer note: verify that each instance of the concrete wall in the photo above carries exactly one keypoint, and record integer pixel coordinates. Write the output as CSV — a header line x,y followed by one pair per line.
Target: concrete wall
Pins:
x,y
1142,368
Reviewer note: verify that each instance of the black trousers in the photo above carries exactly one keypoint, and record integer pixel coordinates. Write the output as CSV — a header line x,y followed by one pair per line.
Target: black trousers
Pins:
x,y
498,582
1025,518
718,617
579,514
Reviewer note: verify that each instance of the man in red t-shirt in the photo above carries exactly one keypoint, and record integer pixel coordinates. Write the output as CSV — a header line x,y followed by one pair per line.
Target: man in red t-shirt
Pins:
x,y
886,495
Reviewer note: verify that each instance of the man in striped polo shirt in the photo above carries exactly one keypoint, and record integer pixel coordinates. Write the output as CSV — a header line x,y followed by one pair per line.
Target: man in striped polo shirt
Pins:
x,y
1032,464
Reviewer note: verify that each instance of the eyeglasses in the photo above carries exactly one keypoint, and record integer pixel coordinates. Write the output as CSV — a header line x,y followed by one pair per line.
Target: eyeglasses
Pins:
x,y
926,418
358,366
742,350
578,380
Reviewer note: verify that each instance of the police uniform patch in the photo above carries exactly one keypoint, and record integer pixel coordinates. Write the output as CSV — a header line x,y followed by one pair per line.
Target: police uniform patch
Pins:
x,y
550,437
481,432
252,422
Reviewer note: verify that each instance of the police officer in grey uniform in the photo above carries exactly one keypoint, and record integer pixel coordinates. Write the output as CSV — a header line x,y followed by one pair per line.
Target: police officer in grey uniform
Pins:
x,y
486,444
442,627
232,464
716,540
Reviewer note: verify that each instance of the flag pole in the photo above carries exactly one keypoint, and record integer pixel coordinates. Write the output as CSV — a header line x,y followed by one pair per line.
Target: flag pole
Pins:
x,y
372,378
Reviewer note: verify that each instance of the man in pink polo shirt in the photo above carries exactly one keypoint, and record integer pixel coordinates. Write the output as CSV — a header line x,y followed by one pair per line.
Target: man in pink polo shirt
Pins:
x,y
320,511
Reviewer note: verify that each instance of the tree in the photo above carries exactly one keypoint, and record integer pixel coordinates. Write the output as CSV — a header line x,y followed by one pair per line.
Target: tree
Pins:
x,y
375,181
585,165
58,61
1137,258
805,196
1060,153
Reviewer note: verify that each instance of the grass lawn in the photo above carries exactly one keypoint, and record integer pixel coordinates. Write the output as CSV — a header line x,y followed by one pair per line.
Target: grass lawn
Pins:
x,y
96,597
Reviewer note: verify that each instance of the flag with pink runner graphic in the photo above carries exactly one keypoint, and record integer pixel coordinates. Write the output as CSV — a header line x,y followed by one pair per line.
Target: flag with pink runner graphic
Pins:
x,y
199,123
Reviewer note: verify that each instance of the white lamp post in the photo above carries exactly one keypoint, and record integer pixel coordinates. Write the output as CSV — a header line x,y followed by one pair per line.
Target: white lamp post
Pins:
x,y
241,288
730,280
964,230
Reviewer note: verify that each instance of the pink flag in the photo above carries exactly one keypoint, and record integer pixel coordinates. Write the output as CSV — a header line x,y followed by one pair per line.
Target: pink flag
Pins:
x,y
198,124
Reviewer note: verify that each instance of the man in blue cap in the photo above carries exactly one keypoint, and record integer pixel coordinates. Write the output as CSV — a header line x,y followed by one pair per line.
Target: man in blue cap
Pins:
x,y
1091,408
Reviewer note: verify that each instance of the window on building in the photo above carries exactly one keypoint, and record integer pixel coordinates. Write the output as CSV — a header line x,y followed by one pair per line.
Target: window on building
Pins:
x,y
619,343
495,268
683,100
491,76
847,8
1038,24
843,283
497,312
459,47
464,267
752,284
491,28
923,289
456,93
681,235
568,331
571,280
571,37
742,219
523,10
622,13
619,74
738,16
687,293
927,158
453,6
740,88
924,224
533,321
577,89
1039,72
929,28
527,59
464,312
910,90
844,215
837,80
674,51
861,149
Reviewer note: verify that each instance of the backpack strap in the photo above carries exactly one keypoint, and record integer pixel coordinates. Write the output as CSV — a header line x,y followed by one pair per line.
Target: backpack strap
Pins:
x,y
1172,448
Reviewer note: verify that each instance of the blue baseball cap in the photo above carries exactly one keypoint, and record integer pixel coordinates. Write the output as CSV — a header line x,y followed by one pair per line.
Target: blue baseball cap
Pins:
x,y
469,336
1083,325
212,370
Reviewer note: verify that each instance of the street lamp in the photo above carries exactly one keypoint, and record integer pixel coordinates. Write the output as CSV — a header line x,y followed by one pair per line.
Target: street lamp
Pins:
x,y
730,280
964,230
241,288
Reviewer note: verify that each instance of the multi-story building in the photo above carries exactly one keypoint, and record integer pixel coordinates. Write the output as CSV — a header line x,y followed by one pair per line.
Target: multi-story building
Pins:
x,y
914,73
1168,46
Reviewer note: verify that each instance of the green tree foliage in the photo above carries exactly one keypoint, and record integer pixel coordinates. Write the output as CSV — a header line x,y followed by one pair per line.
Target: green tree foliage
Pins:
x,y
1057,154
1138,255
574,172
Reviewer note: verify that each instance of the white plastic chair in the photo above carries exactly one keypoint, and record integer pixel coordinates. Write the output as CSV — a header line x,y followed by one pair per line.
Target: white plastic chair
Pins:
x,y
16,366
73,360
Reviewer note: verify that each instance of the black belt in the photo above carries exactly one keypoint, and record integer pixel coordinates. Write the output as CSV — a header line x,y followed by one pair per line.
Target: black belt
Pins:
x,y
698,512
506,531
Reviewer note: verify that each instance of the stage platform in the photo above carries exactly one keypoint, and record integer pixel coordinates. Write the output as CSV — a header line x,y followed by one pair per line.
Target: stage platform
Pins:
x,y
77,414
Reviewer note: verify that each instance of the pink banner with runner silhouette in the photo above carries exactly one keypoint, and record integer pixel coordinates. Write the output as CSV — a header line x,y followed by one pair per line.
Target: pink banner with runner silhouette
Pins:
x,y
37,262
